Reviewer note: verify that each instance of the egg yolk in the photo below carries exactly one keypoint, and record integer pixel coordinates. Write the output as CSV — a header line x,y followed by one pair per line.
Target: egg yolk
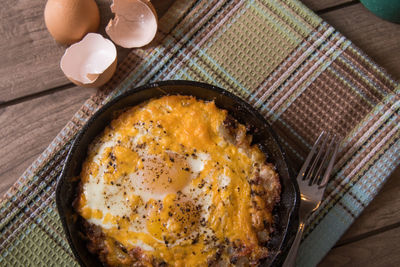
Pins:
x,y
167,174
172,218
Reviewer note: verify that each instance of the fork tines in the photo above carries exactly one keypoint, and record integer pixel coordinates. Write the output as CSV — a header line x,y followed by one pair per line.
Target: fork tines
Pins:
x,y
318,166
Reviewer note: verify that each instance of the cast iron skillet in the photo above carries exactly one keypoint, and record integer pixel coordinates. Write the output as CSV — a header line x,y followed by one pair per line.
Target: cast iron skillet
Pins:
x,y
286,212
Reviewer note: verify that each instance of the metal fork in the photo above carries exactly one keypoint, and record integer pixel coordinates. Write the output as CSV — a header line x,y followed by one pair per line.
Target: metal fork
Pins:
x,y
312,179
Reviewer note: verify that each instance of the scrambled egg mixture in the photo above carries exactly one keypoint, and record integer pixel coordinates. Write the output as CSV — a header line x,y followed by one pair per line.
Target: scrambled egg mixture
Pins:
x,y
175,182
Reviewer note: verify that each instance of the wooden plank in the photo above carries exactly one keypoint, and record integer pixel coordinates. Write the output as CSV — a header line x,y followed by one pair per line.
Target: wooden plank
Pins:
x,y
378,38
378,250
29,56
26,129
29,65
383,211
317,5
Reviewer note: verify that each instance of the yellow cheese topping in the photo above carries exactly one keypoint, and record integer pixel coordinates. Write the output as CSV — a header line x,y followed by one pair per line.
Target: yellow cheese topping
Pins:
x,y
163,178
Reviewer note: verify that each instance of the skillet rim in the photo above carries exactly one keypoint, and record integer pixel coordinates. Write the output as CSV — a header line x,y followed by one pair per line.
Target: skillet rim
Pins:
x,y
287,235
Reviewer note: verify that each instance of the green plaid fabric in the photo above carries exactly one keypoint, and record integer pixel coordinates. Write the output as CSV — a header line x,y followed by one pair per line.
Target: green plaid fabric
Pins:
x,y
298,71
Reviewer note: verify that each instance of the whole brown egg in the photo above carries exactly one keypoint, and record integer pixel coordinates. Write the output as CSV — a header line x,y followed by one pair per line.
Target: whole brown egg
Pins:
x,y
68,21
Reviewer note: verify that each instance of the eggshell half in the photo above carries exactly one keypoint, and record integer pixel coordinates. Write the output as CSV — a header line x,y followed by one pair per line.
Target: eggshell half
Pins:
x,y
135,23
91,62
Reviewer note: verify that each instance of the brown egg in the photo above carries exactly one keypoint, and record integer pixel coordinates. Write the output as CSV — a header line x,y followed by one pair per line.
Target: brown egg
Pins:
x,y
69,20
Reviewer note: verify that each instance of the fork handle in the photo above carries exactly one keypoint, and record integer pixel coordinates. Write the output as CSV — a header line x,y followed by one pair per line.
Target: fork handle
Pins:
x,y
291,257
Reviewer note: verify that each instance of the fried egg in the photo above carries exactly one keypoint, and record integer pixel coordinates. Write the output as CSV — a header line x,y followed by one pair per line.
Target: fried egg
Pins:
x,y
171,182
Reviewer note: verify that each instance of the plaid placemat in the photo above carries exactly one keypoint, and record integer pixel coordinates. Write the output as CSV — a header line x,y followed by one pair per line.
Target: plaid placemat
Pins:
x,y
301,74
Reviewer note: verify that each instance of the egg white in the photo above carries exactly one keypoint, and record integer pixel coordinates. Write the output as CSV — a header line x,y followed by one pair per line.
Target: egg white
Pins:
x,y
110,198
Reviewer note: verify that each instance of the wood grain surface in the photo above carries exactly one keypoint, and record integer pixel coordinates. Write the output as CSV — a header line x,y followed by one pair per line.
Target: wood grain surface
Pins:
x,y
30,58
318,5
34,92
381,250
34,101
31,126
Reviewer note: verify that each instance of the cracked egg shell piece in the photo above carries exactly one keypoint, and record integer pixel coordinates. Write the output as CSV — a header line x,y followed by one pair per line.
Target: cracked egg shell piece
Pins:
x,y
90,62
134,25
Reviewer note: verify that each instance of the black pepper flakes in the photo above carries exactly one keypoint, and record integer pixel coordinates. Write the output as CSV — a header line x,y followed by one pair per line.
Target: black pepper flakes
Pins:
x,y
200,185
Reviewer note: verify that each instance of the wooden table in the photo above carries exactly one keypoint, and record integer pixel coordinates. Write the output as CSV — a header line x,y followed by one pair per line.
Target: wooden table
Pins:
x,y
36,101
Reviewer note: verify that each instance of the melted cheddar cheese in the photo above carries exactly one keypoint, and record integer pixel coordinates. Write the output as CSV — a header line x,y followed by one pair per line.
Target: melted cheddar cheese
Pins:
x,y
164,182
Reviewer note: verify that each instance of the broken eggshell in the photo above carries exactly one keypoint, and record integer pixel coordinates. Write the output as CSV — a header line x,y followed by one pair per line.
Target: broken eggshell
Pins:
x,y
135,23
90,62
